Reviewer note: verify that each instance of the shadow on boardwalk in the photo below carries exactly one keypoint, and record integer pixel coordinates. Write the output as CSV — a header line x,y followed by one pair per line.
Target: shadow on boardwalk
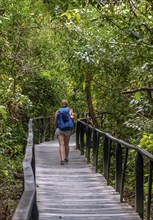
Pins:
x,y
74,191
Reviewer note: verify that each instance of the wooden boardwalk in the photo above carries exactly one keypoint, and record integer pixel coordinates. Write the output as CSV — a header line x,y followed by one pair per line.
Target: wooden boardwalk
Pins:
x,y
74,191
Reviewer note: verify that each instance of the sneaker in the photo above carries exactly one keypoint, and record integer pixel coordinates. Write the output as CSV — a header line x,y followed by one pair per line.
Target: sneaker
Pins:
x,y
62,162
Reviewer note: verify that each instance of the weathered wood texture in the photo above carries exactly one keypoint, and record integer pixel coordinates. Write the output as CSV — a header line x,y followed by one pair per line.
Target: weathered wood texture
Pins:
x,y
74,191
27,207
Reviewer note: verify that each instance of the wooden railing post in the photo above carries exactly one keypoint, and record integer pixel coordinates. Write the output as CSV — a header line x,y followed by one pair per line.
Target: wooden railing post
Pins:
x,y
34,212
82,139
139,191
78,135
95,149
123,174
88,145
42,130
107,153
49,128
39,133
149,189
118,167
105,160
109,157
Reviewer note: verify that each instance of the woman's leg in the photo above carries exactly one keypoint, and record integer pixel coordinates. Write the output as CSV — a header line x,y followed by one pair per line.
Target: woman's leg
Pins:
x,y
66,143
61,146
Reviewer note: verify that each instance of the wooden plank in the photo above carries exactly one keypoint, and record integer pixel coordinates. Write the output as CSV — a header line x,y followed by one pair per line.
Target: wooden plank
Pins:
x,y
74,191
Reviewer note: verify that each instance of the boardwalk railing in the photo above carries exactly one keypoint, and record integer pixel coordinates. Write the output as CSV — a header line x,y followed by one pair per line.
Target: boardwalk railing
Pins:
x,y
39,130
90,140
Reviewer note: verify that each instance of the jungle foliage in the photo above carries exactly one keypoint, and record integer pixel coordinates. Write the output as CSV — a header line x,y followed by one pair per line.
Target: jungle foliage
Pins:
x,y
97,54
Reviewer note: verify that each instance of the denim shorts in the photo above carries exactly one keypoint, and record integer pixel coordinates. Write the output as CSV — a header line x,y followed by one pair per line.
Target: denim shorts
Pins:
x,y
60,132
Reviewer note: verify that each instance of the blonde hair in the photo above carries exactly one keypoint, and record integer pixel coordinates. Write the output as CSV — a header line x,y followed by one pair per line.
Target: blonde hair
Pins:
x,y
64,103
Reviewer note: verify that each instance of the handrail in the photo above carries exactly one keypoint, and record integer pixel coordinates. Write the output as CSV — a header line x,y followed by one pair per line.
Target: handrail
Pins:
x,y
37,133
28,200
88,137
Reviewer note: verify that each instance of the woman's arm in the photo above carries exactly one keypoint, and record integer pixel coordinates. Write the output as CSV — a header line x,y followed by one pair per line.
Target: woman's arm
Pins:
x,y
55,120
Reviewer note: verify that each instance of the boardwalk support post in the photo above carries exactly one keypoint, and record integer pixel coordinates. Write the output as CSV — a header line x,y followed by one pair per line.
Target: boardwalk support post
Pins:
x,y
139,192
88,145
118,167
105,162
149,190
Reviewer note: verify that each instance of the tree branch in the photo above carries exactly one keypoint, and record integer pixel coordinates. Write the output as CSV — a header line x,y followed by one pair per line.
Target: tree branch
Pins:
x,y
131,6
147,90
144,89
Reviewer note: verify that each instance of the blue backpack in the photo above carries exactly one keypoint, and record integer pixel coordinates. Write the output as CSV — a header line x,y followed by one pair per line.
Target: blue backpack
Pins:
x,y
64,120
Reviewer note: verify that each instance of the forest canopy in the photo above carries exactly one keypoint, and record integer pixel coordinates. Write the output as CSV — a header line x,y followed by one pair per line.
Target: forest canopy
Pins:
x,y
97,54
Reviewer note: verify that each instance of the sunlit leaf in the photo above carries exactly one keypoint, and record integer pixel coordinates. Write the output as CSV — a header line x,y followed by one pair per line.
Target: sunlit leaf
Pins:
x,y
3,112
77,16
137,95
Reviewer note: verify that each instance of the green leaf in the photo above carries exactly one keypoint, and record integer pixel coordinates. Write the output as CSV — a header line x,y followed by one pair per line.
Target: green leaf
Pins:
x,y
137,95
5,173
77,16
3,112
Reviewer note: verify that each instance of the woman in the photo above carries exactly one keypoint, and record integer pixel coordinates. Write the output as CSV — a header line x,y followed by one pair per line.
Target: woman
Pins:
x,y
63,137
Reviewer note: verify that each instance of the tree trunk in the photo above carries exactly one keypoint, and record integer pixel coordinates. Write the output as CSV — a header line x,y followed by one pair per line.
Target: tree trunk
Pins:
x,y
89,99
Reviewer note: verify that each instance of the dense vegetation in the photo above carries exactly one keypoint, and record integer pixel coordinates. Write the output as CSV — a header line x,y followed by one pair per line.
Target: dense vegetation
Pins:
x,y
97,55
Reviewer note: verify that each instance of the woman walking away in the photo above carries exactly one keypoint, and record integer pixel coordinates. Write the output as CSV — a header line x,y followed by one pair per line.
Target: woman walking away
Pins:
x,y
63,124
